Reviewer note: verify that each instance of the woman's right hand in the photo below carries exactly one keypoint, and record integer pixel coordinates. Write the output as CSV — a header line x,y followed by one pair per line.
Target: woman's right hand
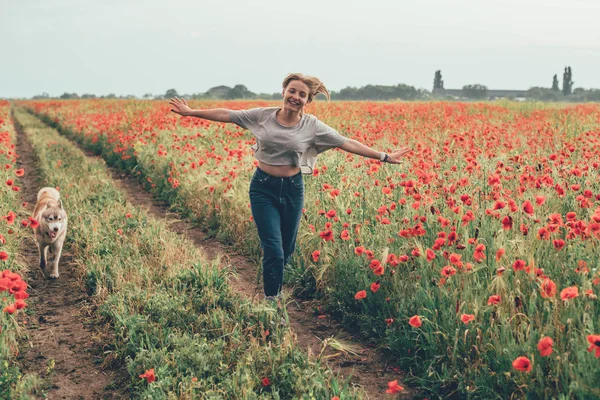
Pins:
x,y
180,106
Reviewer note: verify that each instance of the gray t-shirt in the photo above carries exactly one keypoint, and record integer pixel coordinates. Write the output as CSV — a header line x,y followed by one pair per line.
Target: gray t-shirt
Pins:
x,y
296,145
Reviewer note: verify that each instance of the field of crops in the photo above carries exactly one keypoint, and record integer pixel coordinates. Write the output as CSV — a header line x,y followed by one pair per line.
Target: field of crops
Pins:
x,y
474,262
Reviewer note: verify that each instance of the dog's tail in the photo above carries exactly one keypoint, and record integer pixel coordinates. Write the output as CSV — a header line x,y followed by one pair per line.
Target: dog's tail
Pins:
x,y
48,192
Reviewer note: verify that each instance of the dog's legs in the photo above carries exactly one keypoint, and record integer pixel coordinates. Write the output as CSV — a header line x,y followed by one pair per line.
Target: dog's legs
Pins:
x,y
43,252
56,250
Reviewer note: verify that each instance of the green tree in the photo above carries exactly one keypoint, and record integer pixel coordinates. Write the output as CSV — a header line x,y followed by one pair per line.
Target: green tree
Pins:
x,y
438,83
476,91
555,83
171,93
567,88
240,92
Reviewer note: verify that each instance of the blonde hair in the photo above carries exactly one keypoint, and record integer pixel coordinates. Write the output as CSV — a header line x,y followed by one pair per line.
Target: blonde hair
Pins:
x,y
315,86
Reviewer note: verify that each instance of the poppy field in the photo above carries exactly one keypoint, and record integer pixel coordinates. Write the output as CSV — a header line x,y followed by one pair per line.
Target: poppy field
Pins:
x,y
474,262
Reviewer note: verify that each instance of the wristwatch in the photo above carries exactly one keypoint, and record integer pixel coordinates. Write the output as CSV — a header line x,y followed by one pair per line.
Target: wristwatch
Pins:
x,y
383,157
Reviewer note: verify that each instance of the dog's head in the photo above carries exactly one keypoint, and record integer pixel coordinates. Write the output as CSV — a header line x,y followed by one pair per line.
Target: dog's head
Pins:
x,y
54,218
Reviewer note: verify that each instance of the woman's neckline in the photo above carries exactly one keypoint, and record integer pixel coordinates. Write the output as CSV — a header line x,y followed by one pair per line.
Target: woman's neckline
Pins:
x,y
287,126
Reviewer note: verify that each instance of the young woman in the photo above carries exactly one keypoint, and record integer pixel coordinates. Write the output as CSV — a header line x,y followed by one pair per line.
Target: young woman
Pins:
x,y
287,144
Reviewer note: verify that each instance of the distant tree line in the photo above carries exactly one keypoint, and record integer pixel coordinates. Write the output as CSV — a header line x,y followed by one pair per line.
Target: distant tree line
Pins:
x,y
380,92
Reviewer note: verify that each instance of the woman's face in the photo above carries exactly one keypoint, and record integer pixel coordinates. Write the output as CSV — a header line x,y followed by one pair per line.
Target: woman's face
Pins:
x,y
295,96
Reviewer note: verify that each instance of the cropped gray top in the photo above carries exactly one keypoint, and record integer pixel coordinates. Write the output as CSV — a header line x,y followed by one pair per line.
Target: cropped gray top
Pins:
x,y
277,144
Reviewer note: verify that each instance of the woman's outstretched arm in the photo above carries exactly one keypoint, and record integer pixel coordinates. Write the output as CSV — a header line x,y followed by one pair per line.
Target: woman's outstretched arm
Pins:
x,y
356,147
181,107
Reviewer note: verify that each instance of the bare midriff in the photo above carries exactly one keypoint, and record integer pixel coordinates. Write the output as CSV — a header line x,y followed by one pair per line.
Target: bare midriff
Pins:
x,y
280,171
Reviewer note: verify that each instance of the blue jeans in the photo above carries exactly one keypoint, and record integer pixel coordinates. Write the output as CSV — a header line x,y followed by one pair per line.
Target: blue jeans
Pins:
x,y
276,205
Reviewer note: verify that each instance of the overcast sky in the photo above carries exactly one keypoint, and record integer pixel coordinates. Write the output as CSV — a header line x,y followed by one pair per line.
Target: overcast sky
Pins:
x,y
137,47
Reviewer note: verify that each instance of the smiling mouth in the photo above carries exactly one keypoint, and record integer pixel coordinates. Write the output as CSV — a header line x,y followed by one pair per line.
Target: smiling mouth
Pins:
x,y
53,235
293,103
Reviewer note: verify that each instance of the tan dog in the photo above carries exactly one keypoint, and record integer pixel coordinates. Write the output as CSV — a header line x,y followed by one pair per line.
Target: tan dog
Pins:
x,y
52,228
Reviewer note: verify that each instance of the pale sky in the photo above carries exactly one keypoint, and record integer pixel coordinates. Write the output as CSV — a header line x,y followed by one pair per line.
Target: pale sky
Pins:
x,y
150,46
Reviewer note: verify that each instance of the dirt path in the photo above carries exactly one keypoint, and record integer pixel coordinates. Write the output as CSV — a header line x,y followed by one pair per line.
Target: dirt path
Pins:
x,y
63,347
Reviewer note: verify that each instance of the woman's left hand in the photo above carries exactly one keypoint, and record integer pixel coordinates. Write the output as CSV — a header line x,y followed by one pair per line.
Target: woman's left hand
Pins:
x,y
396,156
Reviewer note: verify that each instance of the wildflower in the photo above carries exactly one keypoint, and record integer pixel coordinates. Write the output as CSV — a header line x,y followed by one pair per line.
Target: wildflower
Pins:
x,y
149,375
359,250
558,244
448,271
522,364
493,300
393,387
415,321
389,321
548,288
265,382
545,346
315,255
10,309
3,256
20,172
430,255
539,200
594,344
479,254
375,286
326,235
360,295
466,318
519,265
528,207
569,293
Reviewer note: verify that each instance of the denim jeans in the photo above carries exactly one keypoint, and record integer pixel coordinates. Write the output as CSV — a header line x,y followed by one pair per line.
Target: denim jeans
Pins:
x,y
276,205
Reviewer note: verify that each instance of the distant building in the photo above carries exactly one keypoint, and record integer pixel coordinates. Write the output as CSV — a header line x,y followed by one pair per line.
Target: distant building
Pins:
x,y
491,93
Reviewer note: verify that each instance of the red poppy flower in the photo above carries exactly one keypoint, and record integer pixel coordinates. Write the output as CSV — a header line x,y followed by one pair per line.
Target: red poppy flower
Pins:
x,y
466,318
315,255
149,375
594,344
528,207
415,321
10,309
327,235
345,235
389,321
507,223
479,254
522,364
375,286
545,346
265,382
519,265
393,387
548,288
9,182
3,256
558,244
493,300
539,200
448,271
360,295
430,255
569,293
